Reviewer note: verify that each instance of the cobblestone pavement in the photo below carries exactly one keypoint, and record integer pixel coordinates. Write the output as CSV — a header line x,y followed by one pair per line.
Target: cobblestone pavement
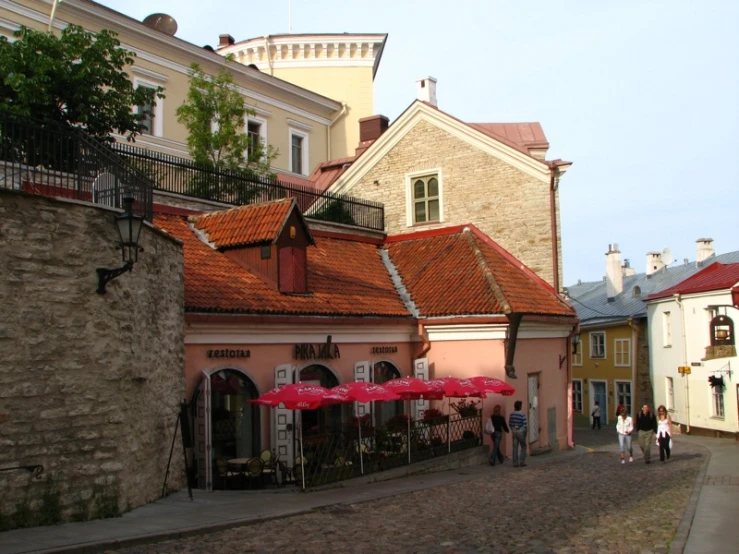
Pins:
x,y
587,503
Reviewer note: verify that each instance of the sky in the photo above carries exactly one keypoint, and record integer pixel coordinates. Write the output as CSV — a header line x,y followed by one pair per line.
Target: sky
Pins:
x,y
643,97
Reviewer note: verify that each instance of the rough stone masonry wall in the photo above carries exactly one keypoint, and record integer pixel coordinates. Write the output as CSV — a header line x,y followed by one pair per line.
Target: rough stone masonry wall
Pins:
x,y
69,359
508,205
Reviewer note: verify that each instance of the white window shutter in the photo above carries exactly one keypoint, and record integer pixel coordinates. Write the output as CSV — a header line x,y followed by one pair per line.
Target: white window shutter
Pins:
x,y
283,421
362,374
420,371
202,434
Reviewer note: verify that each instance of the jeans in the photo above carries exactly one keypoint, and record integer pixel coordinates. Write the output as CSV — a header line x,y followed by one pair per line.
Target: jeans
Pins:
x,y
519,440
645,443
624,443
496,454
596,421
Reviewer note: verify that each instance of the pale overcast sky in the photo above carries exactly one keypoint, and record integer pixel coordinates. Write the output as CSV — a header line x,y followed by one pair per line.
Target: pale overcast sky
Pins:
x,y
643,97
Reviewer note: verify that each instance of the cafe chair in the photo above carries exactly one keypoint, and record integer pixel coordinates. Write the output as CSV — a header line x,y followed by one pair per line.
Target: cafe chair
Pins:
x,y
271,465
254,470
224,474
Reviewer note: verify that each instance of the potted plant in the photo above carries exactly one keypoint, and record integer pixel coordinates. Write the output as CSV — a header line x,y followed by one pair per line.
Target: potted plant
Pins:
x,y
466,407
432,416
398,422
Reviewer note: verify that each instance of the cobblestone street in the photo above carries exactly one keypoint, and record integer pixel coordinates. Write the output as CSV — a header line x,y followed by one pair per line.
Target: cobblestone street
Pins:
x,y
586,503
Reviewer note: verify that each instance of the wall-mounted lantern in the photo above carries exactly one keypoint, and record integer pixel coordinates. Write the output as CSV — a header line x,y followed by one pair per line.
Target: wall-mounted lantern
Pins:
x,y
722,331
575,343
129,227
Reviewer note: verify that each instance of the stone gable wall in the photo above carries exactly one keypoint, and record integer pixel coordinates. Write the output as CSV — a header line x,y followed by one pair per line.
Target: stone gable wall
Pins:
x,y
89,384
505,203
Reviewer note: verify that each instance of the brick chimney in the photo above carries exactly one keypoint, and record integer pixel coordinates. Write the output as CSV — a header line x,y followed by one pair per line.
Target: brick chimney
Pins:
x,y
370,129
225,40
426,90
704,250
654,262
614,274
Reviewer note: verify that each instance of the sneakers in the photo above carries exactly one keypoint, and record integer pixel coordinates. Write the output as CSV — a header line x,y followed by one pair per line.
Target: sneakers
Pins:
x,y
631,459
623,461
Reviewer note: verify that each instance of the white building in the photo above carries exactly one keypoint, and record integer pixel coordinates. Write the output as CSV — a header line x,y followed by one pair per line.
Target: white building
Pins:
x,y
693,349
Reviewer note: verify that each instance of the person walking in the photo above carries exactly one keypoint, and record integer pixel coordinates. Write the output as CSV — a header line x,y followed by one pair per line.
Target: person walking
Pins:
x,y
646,424
664,433
618,410
519,427
596,415
495,427
624,428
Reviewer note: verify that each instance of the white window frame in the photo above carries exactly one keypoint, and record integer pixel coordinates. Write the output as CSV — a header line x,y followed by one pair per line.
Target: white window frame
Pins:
x,y
666,329
409,200
718,403
262,131
158,109
617,400
624,355
304,154
605,350
670,393
575,395
577,356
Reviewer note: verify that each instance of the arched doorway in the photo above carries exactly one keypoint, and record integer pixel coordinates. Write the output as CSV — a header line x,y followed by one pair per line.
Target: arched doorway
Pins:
x,y
226,426
329,419
383,372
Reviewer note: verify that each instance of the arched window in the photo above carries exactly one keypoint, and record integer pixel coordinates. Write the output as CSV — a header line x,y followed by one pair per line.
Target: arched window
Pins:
x,y
329,419
383,372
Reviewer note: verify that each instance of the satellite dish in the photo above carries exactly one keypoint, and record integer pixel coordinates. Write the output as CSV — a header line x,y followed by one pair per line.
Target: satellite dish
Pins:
x,y
667,256
161,22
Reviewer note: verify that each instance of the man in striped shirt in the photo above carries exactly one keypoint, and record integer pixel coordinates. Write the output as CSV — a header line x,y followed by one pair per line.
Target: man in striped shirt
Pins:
x,y
517,423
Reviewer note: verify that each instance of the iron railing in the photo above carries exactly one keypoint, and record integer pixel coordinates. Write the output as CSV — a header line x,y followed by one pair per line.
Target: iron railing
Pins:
x,y
186,177
62,161
336,456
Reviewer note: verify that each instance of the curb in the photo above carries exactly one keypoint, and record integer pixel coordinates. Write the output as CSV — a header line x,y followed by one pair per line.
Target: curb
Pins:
x,y
683,531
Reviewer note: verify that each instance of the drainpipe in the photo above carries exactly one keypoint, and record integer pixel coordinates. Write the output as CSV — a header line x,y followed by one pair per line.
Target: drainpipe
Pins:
x,y
328,130
269,55
426,343
514,320
685,362
634,342
568,392
54,5
553,186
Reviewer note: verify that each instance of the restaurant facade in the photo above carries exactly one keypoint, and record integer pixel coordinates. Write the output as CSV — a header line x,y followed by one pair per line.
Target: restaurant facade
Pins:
x,y
270,301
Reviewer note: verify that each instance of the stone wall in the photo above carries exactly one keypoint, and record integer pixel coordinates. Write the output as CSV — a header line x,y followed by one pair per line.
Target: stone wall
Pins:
x,y
510,206
89,384
644,388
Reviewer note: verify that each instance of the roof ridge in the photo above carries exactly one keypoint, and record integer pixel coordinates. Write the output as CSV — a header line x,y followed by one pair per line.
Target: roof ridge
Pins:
x,y
487,272
242,207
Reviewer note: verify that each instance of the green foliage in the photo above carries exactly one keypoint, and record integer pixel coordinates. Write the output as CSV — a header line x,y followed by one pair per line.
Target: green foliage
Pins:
x,y
23,516
80,510
105,503
214,114
75,79
334,211
50,512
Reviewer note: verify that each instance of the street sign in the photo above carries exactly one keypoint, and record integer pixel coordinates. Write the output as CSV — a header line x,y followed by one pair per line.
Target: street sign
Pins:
x,y
683,370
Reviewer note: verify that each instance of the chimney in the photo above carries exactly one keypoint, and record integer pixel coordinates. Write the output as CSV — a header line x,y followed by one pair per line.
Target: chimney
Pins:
x,y
626,269
704,251
225,40
370,129
426,90
614,274
654,262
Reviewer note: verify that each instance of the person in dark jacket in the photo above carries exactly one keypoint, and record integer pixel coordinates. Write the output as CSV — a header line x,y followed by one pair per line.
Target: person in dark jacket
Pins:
x,y
495,427
646,424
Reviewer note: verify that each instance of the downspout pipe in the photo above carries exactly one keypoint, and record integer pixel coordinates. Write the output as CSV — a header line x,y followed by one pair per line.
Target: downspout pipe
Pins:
x,y
568,389
553,186
678,300
425,341
328,129
514,321
54,5
635,343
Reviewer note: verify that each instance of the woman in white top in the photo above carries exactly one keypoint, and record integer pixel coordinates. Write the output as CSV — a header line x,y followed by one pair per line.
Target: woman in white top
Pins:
x,y
664,433
624,427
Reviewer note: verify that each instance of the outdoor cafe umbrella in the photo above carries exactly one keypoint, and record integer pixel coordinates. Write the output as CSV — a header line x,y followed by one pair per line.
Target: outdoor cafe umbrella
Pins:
x,y
491,384
361,391
298,396
457,388
412,388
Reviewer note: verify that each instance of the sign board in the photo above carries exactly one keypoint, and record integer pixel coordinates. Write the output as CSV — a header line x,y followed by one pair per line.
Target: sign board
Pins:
x,y
683,370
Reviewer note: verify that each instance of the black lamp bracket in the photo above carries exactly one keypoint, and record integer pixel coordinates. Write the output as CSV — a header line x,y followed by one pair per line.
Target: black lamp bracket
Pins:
x,y
107,275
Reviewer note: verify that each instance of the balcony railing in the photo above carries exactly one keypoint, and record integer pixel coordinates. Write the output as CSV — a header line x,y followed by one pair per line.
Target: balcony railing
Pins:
x,y
56,160
183,176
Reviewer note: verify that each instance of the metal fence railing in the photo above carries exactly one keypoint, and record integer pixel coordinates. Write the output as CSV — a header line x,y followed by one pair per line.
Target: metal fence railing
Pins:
x,y
57,160
336,456
186,177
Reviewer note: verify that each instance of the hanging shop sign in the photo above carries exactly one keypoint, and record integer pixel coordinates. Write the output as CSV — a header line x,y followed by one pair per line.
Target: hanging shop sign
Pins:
x,y
325,351
384,349
228,353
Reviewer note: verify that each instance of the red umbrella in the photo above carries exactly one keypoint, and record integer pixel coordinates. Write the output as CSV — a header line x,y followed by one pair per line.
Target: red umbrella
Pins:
x,y
458,388
361,391
298,396
490,384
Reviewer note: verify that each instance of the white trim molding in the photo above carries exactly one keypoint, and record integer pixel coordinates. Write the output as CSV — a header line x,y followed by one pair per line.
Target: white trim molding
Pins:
x,y
410,201
149,74
255,334
299,125
304,151
481,331
157,111
543,331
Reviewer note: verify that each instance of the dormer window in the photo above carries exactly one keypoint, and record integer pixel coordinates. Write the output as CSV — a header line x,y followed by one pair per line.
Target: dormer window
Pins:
x,y
722,331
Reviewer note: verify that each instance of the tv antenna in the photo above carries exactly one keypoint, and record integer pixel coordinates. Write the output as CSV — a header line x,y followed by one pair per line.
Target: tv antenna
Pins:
x,y
667,256
161,22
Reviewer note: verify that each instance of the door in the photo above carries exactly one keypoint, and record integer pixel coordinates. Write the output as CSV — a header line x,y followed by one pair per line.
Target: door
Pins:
x,y
534,407
599,393
282,419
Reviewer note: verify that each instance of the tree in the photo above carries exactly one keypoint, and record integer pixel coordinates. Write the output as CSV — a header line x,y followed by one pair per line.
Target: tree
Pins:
x,y
214,114
77,79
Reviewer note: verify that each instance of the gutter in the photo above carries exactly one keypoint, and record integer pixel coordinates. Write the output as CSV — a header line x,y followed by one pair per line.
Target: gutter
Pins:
x,y
568,390
328,129
678,301
553,186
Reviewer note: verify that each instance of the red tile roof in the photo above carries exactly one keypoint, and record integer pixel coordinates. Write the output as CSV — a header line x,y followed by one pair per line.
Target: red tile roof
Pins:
x,y
326,173
291,179
345,278
716,276
245,225
460,271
